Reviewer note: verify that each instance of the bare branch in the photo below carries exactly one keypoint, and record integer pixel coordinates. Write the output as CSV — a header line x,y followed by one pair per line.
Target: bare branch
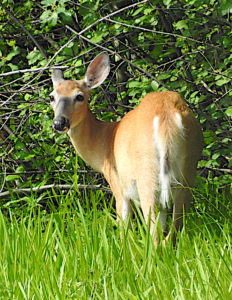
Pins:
x,y
33,172
32,70
161,32
220,170
56,187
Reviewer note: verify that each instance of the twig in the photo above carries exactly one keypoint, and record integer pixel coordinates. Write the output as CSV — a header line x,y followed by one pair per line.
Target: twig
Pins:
x,y
5,127
207,88
219,98
32,70
160,32
55,187
49,172
4,179
220,170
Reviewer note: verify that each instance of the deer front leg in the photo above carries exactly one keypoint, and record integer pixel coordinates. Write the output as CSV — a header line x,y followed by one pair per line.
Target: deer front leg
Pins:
x,y
123,207
147,202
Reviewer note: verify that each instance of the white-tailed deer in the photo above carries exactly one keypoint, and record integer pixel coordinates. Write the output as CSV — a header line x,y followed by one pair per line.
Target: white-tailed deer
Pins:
x,y
150,156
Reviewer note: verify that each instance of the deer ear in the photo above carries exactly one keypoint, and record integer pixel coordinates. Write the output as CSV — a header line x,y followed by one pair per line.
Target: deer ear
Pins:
x,y
97,71
57,77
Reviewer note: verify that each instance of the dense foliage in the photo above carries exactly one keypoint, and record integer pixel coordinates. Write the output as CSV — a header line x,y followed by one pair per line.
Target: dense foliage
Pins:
x,y
153,45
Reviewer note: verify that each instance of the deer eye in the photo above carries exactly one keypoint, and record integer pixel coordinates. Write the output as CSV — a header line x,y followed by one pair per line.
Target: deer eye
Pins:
x,y
79,98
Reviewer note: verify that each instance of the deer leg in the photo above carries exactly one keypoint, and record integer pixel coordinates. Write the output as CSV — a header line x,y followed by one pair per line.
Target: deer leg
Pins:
x,y
181,206
147,202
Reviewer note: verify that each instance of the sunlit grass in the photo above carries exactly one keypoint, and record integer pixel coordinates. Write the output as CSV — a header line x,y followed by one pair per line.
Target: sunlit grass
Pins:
x,y
75,252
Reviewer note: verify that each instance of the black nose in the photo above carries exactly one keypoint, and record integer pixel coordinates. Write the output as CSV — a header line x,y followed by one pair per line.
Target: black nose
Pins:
x,y
60,124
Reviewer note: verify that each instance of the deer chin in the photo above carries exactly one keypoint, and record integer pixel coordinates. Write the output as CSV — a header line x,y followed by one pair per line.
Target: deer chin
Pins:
x,y
64,130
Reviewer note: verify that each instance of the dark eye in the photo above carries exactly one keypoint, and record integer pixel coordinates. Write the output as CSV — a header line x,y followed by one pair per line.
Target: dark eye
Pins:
x,y
79,98
52,98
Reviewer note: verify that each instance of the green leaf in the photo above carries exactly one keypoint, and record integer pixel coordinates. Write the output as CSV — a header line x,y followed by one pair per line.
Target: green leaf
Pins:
x,y
132,84
45,15
13,53
222,81
34,56
19,169
167,2
19,145
228,112
164,76
29,156
48,2
53,19
227,41
215,156
66,16
181,24
97,38
137,11
13,67
12,177
154,85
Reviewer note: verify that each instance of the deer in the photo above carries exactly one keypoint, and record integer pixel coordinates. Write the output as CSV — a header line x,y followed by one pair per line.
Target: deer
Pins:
x,y
148,157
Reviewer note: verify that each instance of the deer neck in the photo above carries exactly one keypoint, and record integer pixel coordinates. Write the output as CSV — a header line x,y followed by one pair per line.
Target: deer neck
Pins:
x,y
93,140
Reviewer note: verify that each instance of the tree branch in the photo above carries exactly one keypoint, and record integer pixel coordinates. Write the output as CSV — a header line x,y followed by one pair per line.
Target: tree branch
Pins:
x,y
56,187
220,170
32,70
161,32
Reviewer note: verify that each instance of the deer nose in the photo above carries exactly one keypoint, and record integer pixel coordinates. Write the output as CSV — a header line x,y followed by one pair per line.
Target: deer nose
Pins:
x,y
61,124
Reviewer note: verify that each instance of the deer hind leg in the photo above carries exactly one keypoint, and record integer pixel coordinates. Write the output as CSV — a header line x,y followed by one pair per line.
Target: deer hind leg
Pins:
x,y
163,219
182,197
182,200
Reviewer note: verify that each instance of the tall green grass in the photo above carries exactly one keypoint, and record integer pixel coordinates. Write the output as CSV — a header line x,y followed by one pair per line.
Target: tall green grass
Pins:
x,y
75,252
